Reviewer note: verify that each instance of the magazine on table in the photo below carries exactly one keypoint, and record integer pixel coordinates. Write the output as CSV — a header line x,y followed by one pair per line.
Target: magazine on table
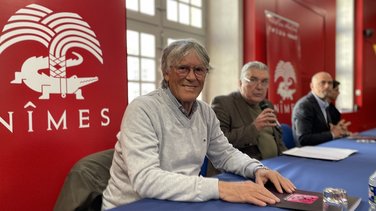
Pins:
x,y
307,200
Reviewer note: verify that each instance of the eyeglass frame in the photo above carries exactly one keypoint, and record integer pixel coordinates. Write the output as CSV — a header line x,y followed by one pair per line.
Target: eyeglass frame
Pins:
x,y
255,81
184,70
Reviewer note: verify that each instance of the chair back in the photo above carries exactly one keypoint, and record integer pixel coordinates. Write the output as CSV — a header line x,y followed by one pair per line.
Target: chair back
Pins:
x,y
83,186
287,137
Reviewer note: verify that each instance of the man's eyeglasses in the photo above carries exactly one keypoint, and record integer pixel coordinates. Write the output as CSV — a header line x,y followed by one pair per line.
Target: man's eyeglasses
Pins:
x,y
254,81
183,70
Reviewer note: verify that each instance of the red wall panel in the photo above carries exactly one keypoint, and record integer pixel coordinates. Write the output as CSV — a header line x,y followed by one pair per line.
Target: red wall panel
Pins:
x,y
51,50
318,46
315,47
364,118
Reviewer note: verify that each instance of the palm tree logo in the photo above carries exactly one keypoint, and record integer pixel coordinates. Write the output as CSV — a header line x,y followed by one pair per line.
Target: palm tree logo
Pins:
x,y
285,70
58,32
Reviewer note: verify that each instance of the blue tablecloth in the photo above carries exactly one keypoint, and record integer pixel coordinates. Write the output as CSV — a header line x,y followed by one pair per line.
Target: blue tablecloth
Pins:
x,y
351,174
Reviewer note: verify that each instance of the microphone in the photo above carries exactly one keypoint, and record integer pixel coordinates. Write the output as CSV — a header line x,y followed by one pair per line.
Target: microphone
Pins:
x,y
263,105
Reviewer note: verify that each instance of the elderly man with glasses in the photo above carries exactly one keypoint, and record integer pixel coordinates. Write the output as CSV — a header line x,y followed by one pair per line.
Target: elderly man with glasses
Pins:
x,y
165,136
247,118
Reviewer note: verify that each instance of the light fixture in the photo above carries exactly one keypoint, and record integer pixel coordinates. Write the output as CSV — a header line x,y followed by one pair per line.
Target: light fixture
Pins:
x,y
368,33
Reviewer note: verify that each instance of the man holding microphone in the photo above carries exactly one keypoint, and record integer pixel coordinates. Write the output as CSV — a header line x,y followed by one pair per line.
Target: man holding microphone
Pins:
x,y
247,118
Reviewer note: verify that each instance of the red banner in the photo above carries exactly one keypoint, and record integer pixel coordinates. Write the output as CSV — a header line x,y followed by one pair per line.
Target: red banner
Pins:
x,y
283,59
63,92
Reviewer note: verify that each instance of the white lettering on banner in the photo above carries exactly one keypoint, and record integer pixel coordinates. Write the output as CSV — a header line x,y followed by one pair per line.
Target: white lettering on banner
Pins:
x,y
30,115
8,125
277,31
105,117
62,119
84,119
284,108
292,36
282,33
30,118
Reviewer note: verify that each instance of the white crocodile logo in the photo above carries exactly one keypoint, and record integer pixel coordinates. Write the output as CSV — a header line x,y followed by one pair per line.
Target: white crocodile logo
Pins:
x,y
51,85
58,32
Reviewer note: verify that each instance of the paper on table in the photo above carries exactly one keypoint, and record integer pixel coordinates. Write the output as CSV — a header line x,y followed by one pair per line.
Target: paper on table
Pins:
x,y
325,153
358,136
363,138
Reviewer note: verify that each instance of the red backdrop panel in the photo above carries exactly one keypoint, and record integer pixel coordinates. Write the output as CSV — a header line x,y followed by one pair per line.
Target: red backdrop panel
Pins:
x,y
63,92
315,52
283,59
316,20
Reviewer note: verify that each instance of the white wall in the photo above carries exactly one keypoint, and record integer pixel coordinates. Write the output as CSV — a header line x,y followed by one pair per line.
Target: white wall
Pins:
x,y
225,46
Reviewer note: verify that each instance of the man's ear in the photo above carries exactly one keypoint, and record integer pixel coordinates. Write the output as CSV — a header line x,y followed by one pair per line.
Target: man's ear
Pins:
x,y
166,77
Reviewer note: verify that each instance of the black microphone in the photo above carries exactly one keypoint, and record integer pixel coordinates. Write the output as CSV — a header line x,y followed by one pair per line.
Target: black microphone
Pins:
x,y
263,105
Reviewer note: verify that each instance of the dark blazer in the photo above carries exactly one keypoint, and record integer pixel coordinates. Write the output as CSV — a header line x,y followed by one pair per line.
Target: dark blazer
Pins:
x,y
335,115
308,122
236,123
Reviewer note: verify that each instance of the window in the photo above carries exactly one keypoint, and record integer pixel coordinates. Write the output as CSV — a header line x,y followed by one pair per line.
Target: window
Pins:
x,y
185,12
151,24
146,7
345,54
141,63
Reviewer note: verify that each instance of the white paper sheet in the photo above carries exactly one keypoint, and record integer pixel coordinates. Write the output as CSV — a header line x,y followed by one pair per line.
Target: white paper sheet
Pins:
x,y
316,152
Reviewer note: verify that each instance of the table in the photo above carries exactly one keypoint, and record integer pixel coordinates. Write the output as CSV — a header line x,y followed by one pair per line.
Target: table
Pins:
x,y
351,174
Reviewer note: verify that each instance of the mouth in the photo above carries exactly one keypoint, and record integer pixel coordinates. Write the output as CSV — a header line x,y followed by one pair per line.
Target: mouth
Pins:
x,y
190,87
258,94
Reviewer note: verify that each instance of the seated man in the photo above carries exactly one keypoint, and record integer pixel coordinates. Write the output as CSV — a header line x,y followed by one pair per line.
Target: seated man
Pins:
x,y
335,115
250,128
165,136
310,123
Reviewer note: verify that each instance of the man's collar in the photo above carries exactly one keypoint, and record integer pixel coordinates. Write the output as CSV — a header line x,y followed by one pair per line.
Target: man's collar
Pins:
x,y
179,105
323,103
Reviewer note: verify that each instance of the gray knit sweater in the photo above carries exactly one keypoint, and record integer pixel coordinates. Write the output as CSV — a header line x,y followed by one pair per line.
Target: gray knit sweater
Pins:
x,y
160,151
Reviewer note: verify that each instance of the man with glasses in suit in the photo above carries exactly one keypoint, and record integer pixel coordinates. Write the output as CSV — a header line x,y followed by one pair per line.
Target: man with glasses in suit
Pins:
x,y
249,126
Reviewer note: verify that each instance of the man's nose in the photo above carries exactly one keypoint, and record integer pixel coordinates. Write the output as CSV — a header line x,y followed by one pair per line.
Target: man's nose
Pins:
x,y
191,74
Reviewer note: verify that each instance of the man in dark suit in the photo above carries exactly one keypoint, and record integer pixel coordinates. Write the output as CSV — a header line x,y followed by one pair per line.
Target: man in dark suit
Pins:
x,y
251,129
335,115
311,123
